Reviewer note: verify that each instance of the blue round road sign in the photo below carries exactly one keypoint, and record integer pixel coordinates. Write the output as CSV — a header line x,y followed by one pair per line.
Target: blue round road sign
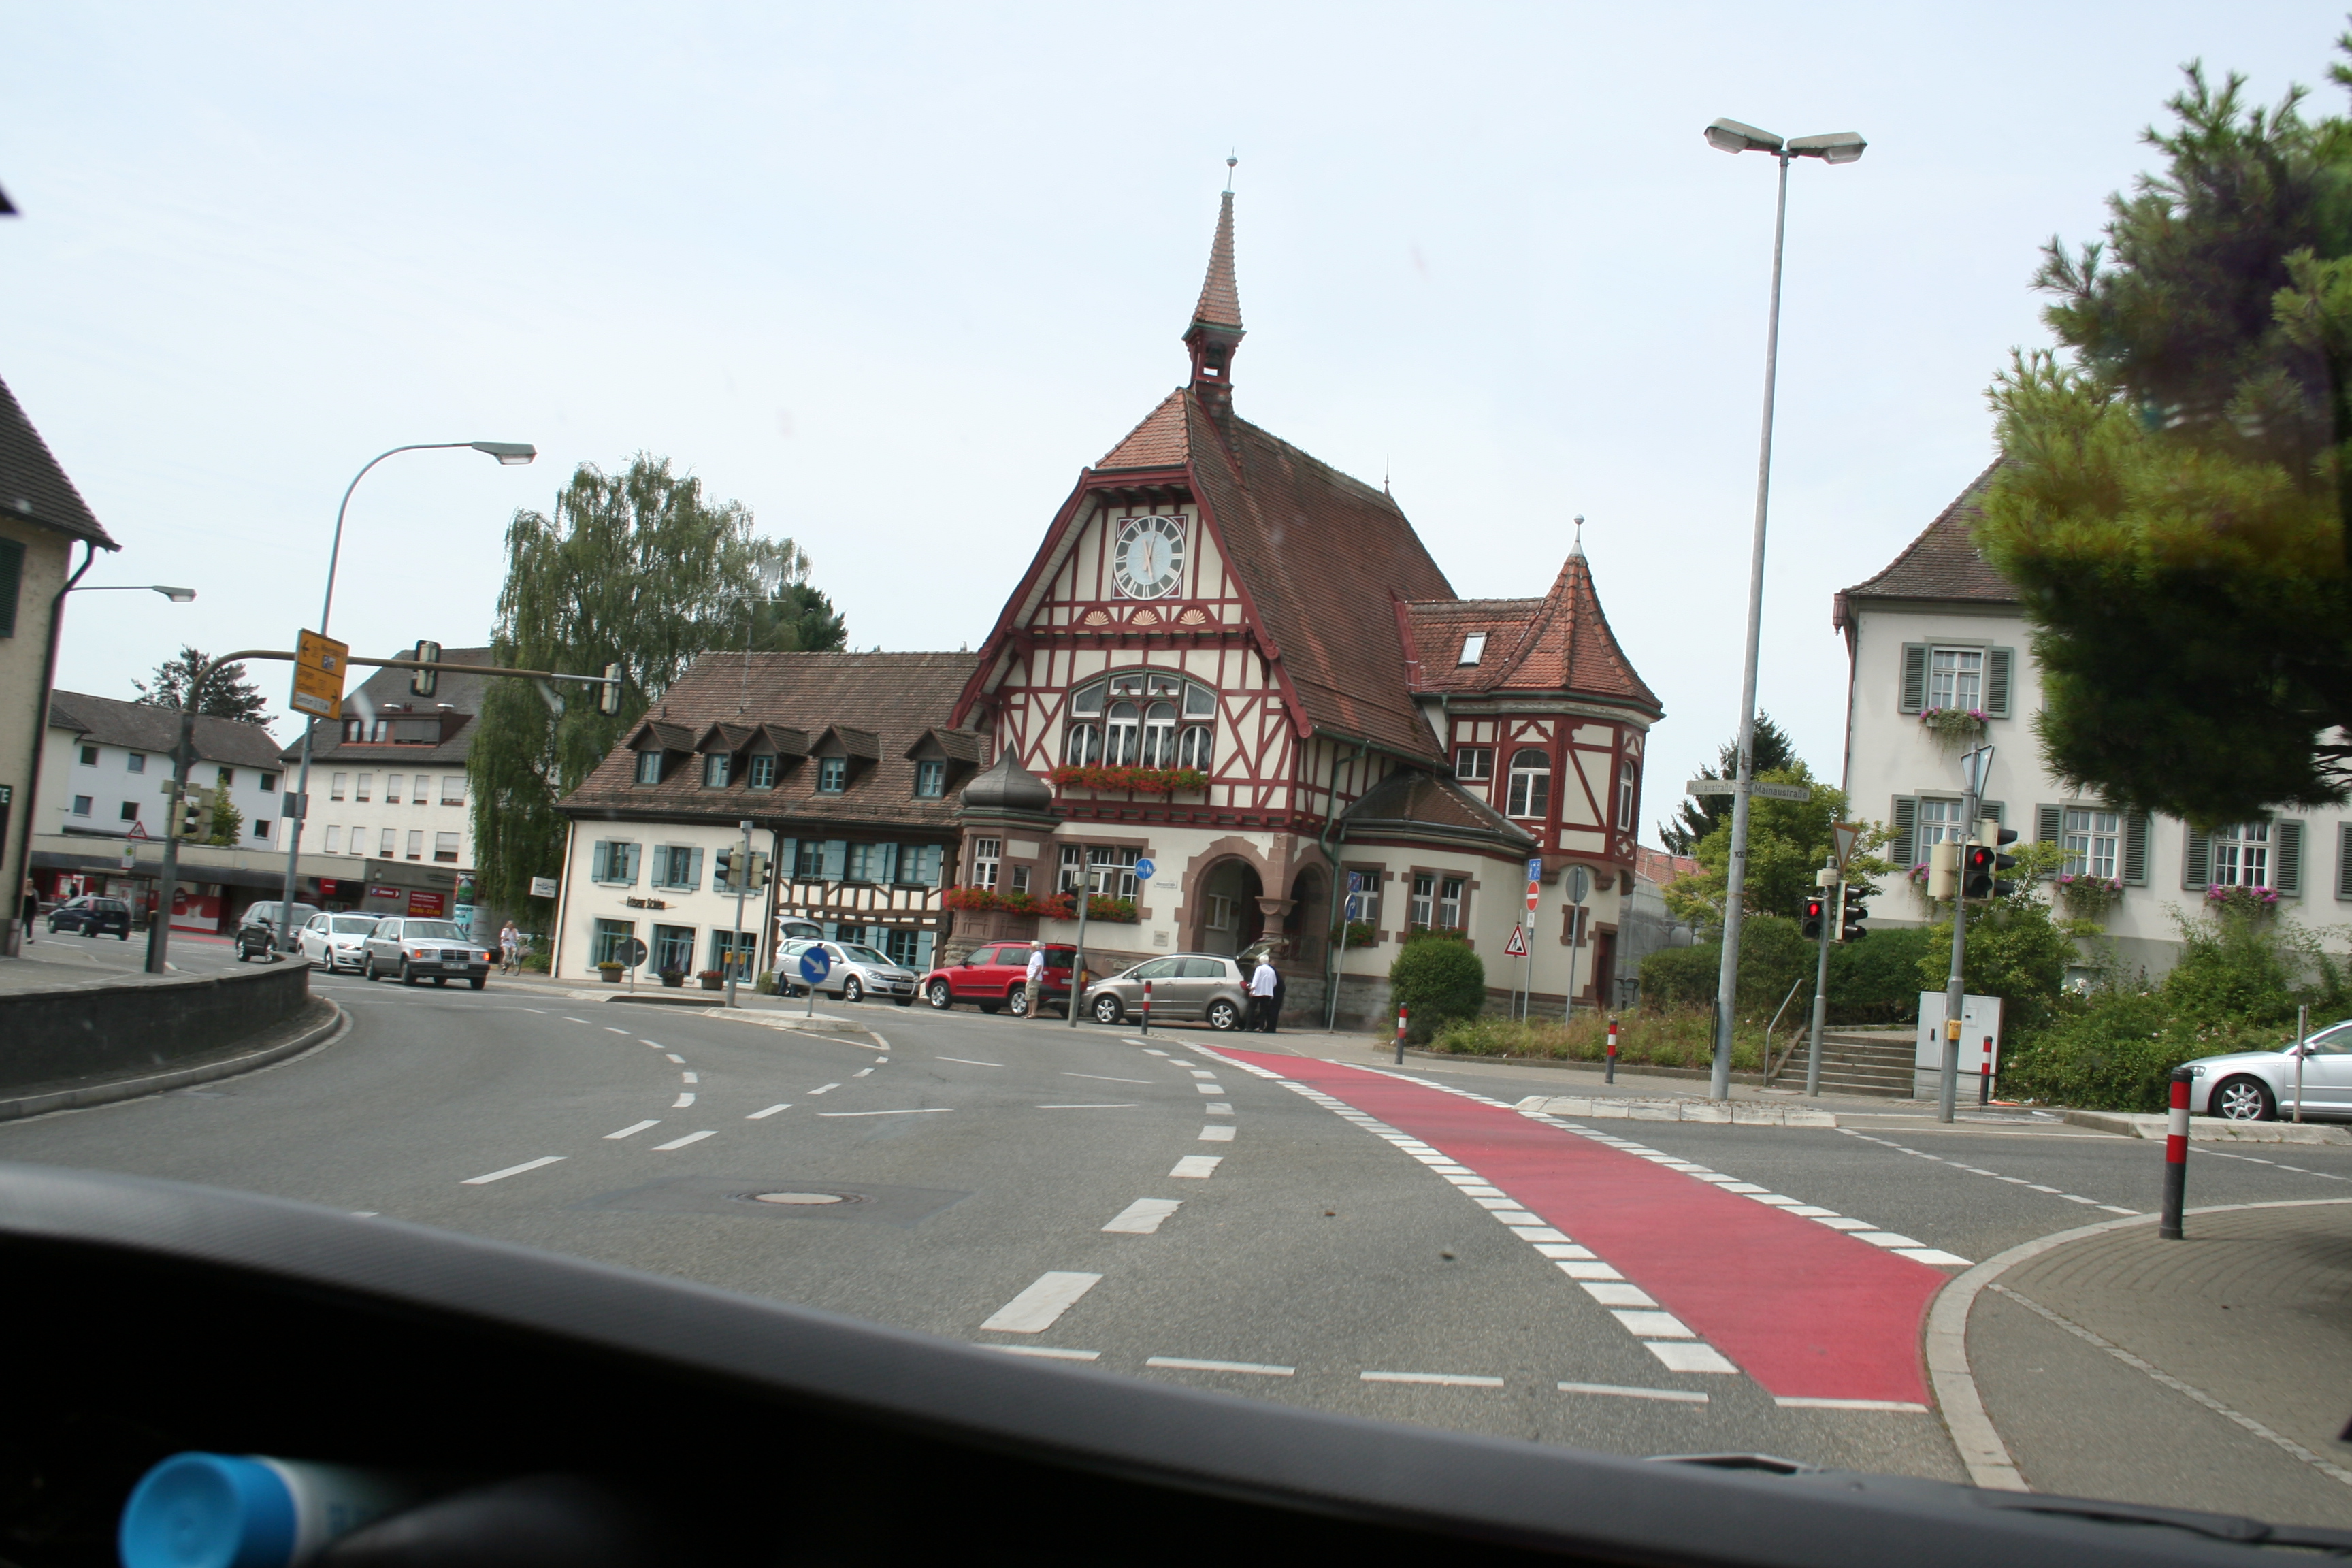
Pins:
x,y
1144,868
814,965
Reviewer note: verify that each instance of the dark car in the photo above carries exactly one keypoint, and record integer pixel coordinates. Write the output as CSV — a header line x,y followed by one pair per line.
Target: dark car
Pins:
x,y
256,930
92,916
996,975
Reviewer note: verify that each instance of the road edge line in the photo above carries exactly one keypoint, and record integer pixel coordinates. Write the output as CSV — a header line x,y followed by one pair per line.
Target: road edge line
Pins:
x,y
26,1107
1973,1435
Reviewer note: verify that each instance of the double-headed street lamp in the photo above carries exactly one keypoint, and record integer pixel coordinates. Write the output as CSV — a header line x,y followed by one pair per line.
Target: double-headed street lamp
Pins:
x,y
1837,147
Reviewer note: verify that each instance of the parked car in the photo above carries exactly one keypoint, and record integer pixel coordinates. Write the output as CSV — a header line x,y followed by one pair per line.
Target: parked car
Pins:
x,y
337,942
2258,1085
415,950
790,930
996,975
858,972
92,915
257,929
1184,985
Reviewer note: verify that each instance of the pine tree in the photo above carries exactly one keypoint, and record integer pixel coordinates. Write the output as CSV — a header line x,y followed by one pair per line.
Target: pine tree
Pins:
x,y
228,694
2172,505
635,568
1699,815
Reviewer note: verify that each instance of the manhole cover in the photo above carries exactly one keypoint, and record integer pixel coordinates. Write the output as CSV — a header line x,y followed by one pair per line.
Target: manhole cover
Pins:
x,y
800,1198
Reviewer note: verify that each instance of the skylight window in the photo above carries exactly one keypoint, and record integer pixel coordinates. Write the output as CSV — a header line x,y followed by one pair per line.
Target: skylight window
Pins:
x,y
1473,649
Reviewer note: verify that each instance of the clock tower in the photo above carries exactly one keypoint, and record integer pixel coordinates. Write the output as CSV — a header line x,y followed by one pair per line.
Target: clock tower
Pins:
x,y
1216,331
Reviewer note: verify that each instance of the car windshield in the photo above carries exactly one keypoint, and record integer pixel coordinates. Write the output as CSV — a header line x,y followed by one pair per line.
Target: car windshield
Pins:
x,y
1742,865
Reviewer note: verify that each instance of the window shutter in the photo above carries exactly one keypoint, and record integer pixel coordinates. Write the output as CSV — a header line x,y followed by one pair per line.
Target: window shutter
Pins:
x,y
2344,859
1904,847
788,859
2197,863
12,580
2134,866
929,876
1915,678
1999,661
2049,823
1995,809
600,861
923,941
886,863
2287,857
693,877
836,858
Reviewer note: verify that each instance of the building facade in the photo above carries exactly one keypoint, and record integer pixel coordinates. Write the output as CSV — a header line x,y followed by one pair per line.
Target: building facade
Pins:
x,y
388,781
42,518
1941,656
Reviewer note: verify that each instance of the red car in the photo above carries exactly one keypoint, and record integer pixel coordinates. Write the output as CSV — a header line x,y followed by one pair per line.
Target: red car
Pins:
x,y
994,975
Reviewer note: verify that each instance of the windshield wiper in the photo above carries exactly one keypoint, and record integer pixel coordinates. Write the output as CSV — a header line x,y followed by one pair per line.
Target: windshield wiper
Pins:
x,y
2215,1526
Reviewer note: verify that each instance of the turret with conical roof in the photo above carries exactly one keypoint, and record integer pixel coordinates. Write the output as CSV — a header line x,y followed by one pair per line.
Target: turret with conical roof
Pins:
x,y
1216,330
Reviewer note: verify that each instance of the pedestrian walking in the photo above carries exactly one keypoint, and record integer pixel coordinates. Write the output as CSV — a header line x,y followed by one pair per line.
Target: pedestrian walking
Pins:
x,y
1032,989
32,907
1262,983
510,948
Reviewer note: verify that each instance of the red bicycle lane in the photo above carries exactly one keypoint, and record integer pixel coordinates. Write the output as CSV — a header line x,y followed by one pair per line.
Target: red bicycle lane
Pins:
x,y
1808,1311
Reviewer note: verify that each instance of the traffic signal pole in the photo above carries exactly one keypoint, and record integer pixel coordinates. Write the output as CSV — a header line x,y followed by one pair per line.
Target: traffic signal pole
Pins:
x,y
1831,910
742,878
1956,993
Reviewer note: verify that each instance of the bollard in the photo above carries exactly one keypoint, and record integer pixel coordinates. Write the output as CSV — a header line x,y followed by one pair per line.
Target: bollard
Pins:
x,y
1984,1074
2176,1157
1147,1006
1399,1040
1609,1074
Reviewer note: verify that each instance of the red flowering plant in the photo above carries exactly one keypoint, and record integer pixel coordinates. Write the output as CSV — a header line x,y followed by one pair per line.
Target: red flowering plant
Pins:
x,y
1137,780
1055,907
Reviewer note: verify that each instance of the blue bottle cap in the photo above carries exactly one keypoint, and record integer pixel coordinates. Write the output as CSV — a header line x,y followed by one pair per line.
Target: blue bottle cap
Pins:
x,y
208,1511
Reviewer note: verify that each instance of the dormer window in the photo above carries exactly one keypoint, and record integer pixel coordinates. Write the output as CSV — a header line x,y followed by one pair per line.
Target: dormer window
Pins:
x,y
1473,649
714,769
832,774
649,767
764,770
931,779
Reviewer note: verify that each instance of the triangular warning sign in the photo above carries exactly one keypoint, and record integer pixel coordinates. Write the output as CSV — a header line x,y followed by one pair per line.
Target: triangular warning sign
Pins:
x,y
138,830
1517,946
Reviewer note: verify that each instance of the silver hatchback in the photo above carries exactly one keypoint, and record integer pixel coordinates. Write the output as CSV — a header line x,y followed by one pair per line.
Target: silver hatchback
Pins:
x,y
2260,1086
1185,987
853,973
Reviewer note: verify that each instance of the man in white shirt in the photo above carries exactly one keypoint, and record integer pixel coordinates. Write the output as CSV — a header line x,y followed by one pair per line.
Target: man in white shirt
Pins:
x,y
1262,989
1032,989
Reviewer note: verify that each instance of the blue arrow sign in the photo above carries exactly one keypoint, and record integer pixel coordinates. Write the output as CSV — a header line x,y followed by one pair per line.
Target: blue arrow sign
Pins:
x,y
815,965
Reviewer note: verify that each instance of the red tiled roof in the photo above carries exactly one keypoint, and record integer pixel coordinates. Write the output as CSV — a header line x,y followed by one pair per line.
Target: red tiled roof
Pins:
x,y
1560,642
1657,866
1942,564
877,703
1220,298
1158,443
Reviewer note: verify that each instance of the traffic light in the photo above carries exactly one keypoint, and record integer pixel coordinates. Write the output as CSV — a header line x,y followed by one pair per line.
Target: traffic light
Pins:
x,y
194,807
424,682
1986,863
608,695
1943,870
1851,912
1816,905
724,863
757,877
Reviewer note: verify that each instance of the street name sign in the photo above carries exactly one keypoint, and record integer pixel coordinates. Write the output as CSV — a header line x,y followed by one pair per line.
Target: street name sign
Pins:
x,y
542,887
318,668
1769,791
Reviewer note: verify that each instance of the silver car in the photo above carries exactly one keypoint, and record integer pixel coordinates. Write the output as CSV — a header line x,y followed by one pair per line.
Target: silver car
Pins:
x,y
415,950
1185,987
855,972
2258,1085
337,942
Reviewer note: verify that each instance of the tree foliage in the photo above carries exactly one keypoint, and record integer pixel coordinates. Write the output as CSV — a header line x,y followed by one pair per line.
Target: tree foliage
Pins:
x,y
2171,505
227,823
1787,841
228,694
1699,816
637,568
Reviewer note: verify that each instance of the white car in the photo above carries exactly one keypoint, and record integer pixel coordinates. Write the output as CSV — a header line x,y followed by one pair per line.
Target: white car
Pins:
x,y
336,941
855,972
2258,1085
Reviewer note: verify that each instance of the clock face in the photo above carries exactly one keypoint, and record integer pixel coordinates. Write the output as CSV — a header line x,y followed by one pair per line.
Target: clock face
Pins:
x,y
1149,560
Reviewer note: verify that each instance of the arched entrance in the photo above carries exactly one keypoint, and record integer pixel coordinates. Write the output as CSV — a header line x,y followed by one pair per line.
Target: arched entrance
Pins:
x,y
1228,919
1304,927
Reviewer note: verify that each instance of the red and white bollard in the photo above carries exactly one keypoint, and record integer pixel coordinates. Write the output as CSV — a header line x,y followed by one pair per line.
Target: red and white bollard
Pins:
x,y
2176,1157
1400,1039
1610,1074
1147,1006
1984,1074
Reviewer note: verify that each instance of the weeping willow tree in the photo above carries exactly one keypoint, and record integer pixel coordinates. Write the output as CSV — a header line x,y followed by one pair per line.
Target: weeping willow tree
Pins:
x,y
639,569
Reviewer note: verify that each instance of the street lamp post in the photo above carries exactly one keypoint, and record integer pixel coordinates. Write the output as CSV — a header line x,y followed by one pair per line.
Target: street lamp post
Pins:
x,y
1837,147
508,454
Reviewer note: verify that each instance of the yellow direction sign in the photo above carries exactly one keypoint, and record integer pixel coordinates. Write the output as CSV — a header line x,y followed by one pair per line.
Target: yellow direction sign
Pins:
x,y
318,663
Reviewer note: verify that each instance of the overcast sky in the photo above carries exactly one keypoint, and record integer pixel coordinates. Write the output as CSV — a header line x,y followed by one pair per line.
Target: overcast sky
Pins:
x,y
892,275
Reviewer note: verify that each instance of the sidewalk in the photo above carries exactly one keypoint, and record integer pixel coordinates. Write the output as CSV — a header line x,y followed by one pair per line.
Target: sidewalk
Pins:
x,y
62,961
2212,1372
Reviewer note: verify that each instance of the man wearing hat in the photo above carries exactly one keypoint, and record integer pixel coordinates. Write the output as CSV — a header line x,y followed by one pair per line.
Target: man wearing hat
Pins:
x,y
1032,989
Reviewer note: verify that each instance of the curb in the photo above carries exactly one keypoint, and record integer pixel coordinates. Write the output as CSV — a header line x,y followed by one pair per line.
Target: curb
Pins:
x,y
1971,1430
1721,1114
2211,1130
85,1095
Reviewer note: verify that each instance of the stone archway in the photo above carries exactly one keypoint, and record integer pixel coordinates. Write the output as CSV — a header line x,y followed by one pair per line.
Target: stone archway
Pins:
x,y
1225,906
1303,925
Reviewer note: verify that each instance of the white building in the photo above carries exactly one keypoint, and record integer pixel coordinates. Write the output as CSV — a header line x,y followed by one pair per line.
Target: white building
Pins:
x,y
389,785
1939,634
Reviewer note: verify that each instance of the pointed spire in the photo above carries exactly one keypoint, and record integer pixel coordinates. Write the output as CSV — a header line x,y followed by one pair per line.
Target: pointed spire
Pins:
x,y
1576,550
1216,330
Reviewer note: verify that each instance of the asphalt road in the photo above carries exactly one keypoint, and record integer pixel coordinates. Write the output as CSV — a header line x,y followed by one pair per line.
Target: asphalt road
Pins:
x,y
1191,1207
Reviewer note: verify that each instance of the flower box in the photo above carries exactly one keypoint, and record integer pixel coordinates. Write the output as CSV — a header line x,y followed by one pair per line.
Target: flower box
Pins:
x,y
2250,901
712,979
2089,898
1054,906
609,973
673,979
1954,727
1134,780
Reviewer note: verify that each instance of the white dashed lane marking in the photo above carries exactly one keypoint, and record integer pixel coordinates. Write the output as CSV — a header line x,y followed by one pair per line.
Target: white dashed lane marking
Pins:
x,y
1143,1217
1129,1105
922,1111
682,1101
1105,1078
674,1057
510,1171
1216,1135
968,1061
1445,1379
611,1030
682,1142
1049,1352
632,1130
1973,1171
764,1115
1679,1395
830,1086
2273,1164
861,1072
1185,1363
689,1077
1036,1308
1201,1165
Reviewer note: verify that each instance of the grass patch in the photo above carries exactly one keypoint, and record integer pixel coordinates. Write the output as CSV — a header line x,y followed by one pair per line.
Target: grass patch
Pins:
x,y
1680,1038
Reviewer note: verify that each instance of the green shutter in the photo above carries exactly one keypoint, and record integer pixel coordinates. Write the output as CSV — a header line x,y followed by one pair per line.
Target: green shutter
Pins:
x,y
788,858
1999,662
693,871
886,857
1903,847
600,861
2344,859
1914,677
2135,867
2287,857
836,860
2197,863
2049,823
12,580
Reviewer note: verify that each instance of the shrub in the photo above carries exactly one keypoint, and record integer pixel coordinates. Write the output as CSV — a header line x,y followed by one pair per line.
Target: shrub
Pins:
x,y
2115,1051
1876,980
1773,956
1437,980
2015,952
